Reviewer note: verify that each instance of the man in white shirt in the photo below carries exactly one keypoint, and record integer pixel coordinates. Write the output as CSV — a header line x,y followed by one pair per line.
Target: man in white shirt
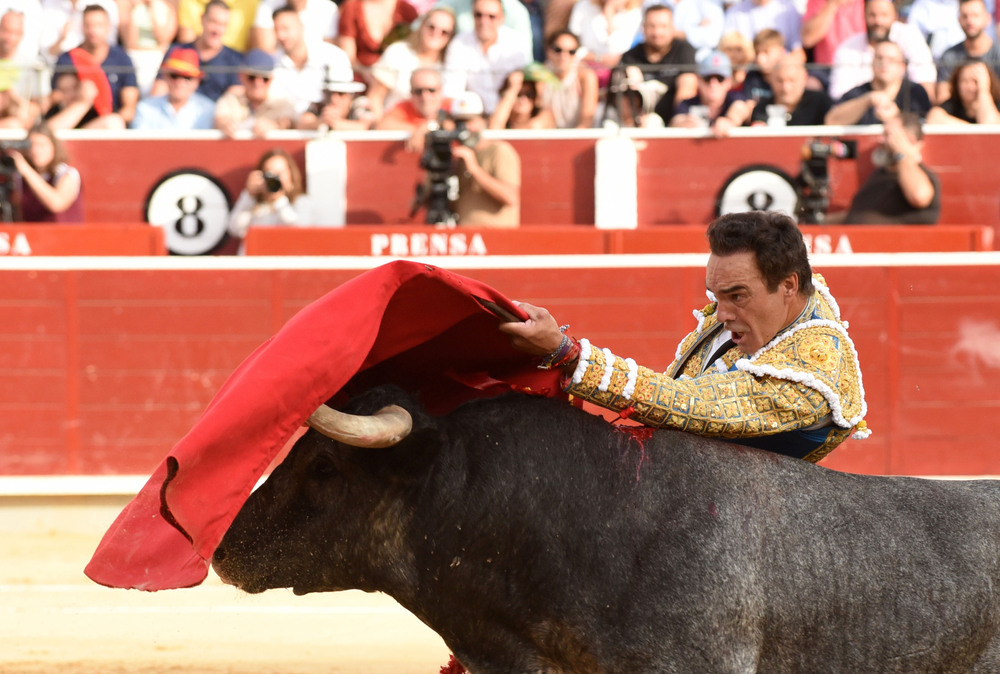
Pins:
x,y
852,62
62,25
319,22
480,60
301,66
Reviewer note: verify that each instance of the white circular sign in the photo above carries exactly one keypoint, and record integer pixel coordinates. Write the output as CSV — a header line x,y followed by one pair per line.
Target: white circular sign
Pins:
x,y
759,188
192,207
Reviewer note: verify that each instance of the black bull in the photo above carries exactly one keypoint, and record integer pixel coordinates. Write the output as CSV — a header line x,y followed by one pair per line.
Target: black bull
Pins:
x,y
534,537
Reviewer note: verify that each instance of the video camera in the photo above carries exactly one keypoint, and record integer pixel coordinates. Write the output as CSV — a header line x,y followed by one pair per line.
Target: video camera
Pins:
x,y
813,184
10,179
441,187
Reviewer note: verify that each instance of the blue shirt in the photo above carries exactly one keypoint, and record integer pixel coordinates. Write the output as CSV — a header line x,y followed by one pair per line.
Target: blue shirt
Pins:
x,y
157,114
117,66
221,71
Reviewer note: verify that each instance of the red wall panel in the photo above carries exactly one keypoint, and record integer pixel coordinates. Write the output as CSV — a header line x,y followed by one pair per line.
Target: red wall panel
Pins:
x,y
103,370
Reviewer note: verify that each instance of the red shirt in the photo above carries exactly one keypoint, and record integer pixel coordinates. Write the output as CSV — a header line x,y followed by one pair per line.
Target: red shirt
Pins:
x,y
352,24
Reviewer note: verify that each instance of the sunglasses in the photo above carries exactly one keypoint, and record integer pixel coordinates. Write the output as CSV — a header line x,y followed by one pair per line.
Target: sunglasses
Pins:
x,y
526,93
262,78
431,28
484,15
178,76
420,91
718,79
564,50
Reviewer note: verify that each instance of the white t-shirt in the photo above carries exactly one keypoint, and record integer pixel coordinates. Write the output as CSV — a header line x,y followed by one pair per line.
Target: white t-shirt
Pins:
x,y
852,62
319,18
393,70
749,18
467,68
305,86
57,13
597,37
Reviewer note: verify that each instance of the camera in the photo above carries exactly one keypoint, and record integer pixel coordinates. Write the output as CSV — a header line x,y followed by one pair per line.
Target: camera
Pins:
x,y
6,161
272,182
813,184
442,182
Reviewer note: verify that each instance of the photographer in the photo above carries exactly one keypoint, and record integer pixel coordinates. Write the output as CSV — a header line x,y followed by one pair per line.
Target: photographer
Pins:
x,y
273,196
487,172
51,188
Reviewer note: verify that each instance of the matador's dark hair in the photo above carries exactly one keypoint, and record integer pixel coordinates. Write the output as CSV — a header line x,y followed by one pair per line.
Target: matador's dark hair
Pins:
x,y
773,238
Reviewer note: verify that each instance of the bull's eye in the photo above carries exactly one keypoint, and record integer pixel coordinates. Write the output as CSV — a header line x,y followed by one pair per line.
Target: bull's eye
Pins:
x,y
322,468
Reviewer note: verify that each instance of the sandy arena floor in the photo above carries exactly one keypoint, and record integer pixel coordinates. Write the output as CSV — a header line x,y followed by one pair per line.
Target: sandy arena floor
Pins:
x,y
54,619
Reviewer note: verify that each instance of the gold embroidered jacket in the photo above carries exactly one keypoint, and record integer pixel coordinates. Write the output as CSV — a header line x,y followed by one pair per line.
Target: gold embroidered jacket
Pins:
x,y
801,394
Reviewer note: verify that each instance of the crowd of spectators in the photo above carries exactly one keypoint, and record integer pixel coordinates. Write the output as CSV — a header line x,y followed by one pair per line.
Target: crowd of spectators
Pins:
x,y
250,66
247,67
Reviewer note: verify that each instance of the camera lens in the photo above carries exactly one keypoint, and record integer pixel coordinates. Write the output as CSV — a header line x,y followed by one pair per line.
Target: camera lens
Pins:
x,y
272,182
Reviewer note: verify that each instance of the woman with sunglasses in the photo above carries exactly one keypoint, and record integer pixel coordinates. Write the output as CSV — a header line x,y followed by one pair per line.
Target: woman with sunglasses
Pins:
x,y
573,101
425,48
520,105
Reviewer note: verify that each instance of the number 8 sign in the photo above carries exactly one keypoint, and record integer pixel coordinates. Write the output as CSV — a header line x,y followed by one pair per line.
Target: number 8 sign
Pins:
x,y
192,207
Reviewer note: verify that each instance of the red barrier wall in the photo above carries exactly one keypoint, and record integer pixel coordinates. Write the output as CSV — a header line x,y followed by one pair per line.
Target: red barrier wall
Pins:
x,y
679,178
103,370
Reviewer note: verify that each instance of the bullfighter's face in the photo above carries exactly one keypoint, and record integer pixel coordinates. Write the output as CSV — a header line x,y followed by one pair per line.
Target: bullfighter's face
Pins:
x,y
748,309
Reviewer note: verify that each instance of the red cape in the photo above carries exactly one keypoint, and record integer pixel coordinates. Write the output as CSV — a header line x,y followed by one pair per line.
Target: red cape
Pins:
x,y
406,323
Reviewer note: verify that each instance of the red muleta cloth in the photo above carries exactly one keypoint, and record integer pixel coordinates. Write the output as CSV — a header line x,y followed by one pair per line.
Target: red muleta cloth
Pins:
x,y
404,323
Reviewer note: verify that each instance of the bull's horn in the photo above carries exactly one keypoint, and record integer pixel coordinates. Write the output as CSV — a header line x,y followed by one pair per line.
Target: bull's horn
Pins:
x,y
383,429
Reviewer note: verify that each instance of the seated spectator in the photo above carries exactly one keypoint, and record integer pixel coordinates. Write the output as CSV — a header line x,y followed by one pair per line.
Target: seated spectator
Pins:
x,y
424,48
853,59
888,89
749,17
791,103
520,105
219,64
62,25
81,97
974,100
364,27
606,29
145,30
700,23
182,108
301,66
825,25
937,21
478,61
739,49
241,18
250,108
273,196
319,22
573,101
26,72
901,190
716,105
658,71
423,111
975,21
112,60
338,109
514,15
51,188
768,48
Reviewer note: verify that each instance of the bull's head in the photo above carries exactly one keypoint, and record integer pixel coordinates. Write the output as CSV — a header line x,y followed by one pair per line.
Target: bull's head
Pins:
x,y
332,515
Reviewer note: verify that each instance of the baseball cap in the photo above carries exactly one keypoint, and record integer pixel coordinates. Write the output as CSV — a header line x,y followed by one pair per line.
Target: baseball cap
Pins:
x,y
182,61
258,62
340,77
715,63
466,105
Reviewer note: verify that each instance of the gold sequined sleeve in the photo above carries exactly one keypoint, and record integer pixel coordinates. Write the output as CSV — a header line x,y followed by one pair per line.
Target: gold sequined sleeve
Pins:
x,y
729,405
